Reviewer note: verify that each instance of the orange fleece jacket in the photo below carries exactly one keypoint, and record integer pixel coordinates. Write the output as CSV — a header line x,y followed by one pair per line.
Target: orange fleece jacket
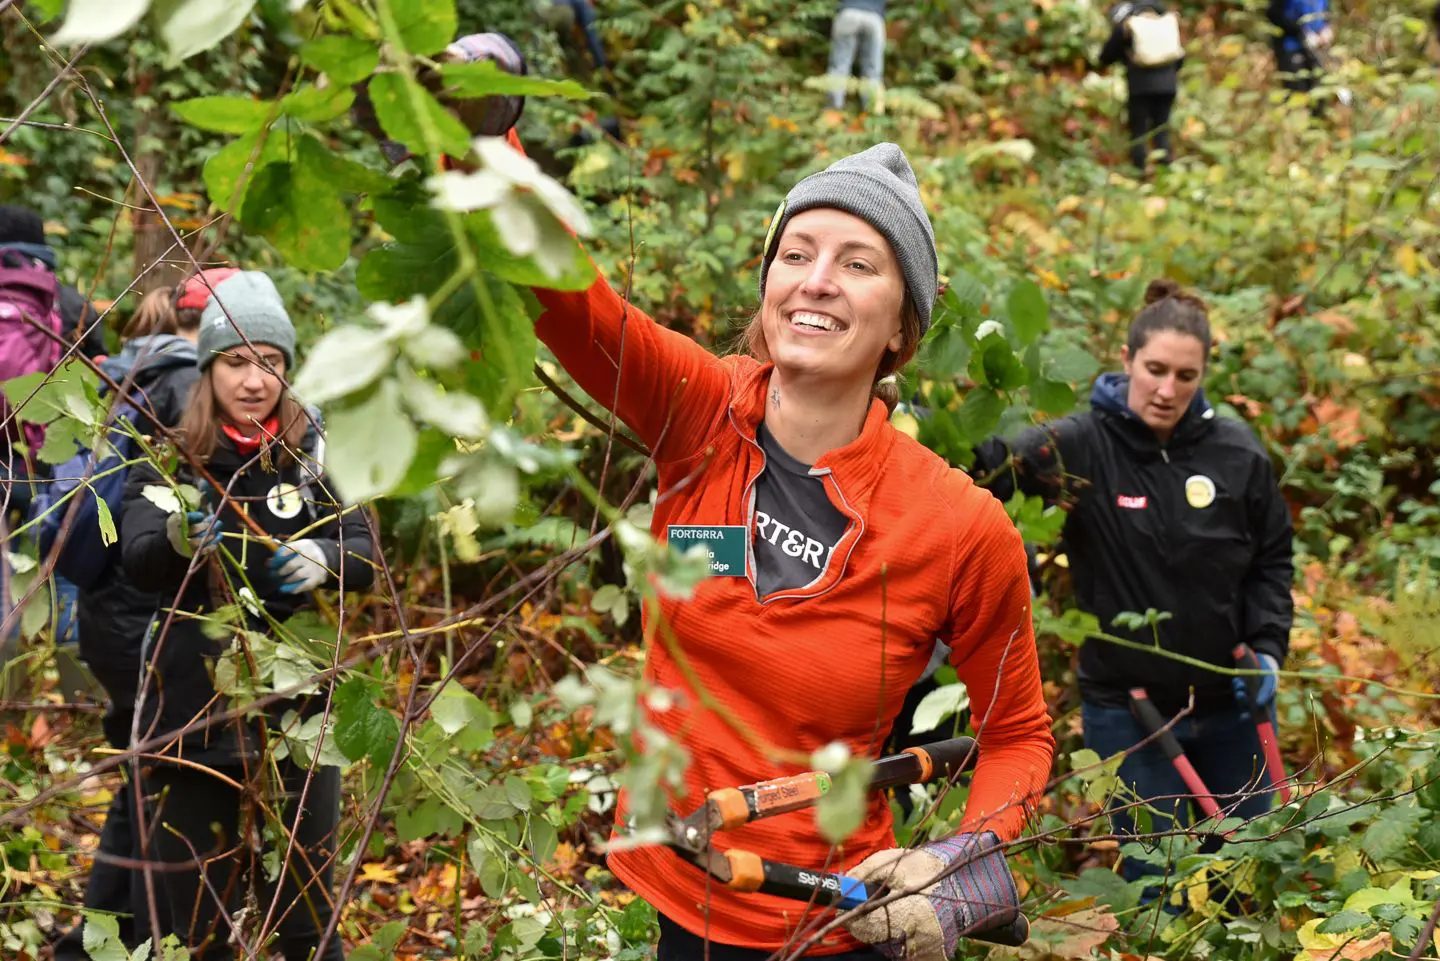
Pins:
x,y
928,554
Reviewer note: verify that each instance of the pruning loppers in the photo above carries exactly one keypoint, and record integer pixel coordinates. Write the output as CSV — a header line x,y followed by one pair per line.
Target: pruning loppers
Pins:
x,y
1245,658
1150,719
740,870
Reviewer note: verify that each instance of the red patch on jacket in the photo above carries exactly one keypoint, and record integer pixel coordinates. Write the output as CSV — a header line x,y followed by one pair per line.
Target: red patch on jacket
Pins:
x,y
1136,503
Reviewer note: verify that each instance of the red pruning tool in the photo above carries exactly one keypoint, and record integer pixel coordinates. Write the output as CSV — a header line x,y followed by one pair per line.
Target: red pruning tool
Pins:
x,y
739,870
1149,717
1274,763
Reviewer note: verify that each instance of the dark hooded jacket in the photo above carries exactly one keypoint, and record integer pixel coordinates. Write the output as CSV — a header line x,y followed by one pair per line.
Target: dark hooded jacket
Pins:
x,y
159,371
180,659
1140,80
1195,527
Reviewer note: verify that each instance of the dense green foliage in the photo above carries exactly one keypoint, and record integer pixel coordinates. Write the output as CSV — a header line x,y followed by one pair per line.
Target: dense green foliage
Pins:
x,y
488,703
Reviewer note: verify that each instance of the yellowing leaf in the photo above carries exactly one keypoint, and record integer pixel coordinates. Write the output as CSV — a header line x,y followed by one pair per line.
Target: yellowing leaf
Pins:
x,y
377,873
1338,946
1408,260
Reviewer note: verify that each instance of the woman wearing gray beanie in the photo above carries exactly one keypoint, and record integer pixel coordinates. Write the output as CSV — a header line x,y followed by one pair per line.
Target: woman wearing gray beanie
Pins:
x,y
841,550
266,533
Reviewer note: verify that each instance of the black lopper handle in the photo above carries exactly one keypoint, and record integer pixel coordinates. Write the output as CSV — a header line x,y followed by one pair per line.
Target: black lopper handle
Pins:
x,y
929,762
1012,935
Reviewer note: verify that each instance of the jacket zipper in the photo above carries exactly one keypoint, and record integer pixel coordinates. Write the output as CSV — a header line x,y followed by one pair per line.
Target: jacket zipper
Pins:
x,y
844,561
750,524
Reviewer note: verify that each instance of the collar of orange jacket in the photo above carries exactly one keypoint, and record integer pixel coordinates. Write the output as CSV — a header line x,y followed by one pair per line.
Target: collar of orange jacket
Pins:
x,y
856,466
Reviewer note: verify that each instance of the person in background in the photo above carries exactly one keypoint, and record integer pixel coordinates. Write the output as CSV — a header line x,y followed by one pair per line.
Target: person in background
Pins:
x,y
1173,509
22,230
1305,35
156,366
563,16
858,30
202,790
1146,38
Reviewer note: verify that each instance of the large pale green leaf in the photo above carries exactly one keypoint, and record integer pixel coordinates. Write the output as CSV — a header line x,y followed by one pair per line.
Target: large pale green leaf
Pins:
x,y
224,114
95,21
980,414
101,938
318,104
454,412
369,445
1069,365
939,704
188,27
347,359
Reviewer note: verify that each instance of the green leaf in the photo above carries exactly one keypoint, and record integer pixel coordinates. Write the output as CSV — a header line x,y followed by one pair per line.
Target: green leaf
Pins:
x,y
945,352
108,535
980,414
299,211
224,114
347,359
456,709
1406,931
95,21
507,348
938,705
493,803
488,79
318,104
454,412
841,810
1389,834
1052,397
101,938
998,366
1343,922
396,110
518,792
188,27
1069,365
1029,314
224,172
63,438
426,26
344,60
362,727
370,445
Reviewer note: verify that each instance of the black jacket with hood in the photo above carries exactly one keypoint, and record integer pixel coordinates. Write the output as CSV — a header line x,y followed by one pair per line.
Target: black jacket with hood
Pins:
x,y
1141,80
160,370
1195,527
180,660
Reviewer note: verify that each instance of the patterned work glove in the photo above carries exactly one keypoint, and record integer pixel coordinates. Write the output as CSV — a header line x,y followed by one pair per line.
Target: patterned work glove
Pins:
x,y
299,566
192,533
1268,682
929,923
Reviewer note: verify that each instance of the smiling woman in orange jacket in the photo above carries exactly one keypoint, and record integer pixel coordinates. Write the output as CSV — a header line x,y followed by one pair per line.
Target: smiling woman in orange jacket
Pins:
x,y
854,548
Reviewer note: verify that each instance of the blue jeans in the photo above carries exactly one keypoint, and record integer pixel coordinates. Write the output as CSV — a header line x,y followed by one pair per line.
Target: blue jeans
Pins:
x,y
862,32
1223,747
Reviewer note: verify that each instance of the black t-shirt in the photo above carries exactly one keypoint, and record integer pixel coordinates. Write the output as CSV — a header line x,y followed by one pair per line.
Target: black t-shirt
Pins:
x,y
796,526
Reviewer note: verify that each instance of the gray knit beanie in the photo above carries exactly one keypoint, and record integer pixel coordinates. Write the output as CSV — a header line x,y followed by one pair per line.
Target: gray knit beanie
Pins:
x,y
255,307
878,186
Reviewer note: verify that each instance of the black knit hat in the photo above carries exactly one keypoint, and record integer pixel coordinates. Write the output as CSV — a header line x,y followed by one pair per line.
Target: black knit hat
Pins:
x,y
20,225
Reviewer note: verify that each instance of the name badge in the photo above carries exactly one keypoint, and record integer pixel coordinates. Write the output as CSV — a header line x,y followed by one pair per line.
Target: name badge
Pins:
x,y
725,545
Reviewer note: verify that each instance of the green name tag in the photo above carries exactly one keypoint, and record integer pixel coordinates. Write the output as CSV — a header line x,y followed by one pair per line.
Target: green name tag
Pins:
x,y
726,545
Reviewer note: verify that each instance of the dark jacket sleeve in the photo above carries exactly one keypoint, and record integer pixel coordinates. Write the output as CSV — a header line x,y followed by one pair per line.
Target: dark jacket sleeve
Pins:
x,y
1279,16
1269,607
1116,47
1050,461
345,539
151,564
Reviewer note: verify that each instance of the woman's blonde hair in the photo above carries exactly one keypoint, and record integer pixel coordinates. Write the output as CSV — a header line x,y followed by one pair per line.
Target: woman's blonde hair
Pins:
x,y
200,426
888,391
157,314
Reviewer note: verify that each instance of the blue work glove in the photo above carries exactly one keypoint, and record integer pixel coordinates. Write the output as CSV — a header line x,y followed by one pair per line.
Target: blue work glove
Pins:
x,y
929,923
1268,682
193,533
299,567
